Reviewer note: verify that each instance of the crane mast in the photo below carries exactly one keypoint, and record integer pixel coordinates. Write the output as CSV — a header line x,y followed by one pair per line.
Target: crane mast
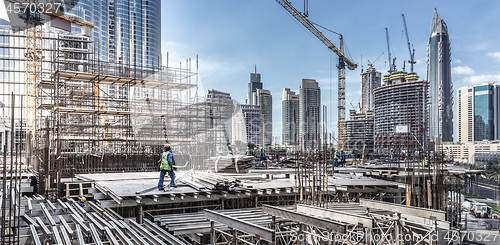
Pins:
x,y
391,63
412,52
343,61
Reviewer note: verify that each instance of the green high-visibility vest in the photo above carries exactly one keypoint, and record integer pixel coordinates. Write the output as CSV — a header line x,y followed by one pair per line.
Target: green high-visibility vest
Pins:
x,y
164,162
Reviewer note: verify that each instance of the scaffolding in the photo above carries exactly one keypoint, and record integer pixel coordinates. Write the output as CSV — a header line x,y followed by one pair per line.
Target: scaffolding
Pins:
x,y
94,116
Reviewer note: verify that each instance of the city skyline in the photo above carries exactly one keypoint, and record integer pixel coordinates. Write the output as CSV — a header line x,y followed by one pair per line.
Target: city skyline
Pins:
x,y
232,41
229,50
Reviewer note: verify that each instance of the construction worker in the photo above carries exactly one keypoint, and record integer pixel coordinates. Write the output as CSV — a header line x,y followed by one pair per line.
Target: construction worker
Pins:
x,y
262,154
392,154
336,159
82,201
342,158
425,162
166,166
248,152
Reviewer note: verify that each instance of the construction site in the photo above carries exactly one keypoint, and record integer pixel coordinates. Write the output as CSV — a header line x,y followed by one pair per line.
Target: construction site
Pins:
x,y
82,145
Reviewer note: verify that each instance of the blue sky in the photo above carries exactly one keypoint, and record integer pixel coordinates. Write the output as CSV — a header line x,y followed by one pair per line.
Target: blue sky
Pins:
x,y
230,37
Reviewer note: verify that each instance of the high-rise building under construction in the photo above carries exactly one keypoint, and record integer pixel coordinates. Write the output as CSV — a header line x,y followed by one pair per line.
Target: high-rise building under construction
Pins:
x,y
370,80
290,117
400,113
439,78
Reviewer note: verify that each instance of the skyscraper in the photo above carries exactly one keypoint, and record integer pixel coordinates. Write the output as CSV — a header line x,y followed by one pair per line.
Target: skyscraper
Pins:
x,y
126,32
496,110
476,110
309,114
265,103
253,85
439,78
248,124
290,117
400,112
370,80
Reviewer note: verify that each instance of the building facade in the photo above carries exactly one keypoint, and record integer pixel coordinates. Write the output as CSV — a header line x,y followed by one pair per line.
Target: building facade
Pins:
x,y
290,118
126,32
359,133
440,83
265,102
309,114
253,85
400,113
370,80
221,112
248,125
473,152
476,113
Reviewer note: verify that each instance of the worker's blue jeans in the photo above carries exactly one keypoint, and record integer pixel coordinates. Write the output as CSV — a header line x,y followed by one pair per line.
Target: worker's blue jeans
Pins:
x,y
162,177
336,162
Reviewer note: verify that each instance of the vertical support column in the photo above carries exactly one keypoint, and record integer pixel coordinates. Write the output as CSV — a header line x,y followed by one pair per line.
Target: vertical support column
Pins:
x,y
140,214
212,233
235,237
397,230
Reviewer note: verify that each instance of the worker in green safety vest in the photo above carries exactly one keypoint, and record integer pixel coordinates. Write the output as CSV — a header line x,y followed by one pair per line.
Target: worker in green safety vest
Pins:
x,y
336,159
425,162
166,166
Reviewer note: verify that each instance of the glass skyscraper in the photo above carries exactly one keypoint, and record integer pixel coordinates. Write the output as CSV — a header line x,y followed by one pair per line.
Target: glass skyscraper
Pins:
x,y
126,32
265,102
290,117
439,78
309,114
476,113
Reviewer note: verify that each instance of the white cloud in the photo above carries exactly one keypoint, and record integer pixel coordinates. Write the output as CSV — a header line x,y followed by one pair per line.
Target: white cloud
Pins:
x,y
457,61
480,79
462,70
495,55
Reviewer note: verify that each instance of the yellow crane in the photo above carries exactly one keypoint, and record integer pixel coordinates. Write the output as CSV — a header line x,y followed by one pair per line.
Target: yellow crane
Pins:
x,y
343,61
30,11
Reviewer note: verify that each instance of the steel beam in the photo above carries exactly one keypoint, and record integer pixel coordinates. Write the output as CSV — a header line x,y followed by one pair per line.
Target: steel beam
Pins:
x,y
148,235
123,238
47,215
336,215
113,213
171,239
95,235
51,206
34,235
405,210
80,223
65,224
66,239
111,238
57,236
79,235
45,230
138,239
29,220
247,227
335,226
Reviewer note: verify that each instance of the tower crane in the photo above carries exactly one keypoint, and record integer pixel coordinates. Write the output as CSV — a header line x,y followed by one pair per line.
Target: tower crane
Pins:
x,y
30,12
343,62
370,64
412,52
392,67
